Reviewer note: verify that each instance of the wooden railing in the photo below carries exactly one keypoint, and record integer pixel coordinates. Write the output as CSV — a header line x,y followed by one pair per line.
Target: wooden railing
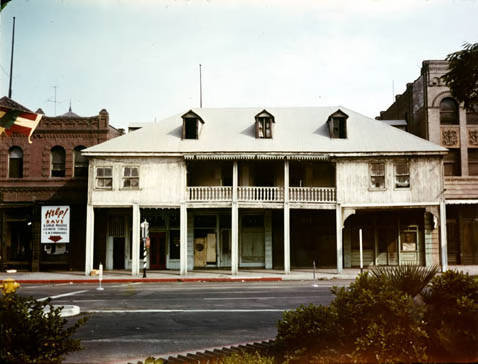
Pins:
x,y
209,193
260,193
312,194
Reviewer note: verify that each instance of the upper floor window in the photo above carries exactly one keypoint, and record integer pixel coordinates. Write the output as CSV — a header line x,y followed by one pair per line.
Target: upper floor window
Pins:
x,y
130,177
57,161
15,162
451,162
402,175
104,178
191,125
377,175
449,112
264,122
473,162
338,124
81,162
472,114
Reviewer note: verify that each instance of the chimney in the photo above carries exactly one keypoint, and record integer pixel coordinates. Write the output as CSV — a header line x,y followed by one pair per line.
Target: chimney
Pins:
x,y
104,119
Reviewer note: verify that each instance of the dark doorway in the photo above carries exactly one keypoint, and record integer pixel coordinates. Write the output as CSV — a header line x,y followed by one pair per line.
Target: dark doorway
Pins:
x,y
157,250
118,253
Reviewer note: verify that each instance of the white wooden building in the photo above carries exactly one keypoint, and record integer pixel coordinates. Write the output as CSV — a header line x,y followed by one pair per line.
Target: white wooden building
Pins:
x,y
266,188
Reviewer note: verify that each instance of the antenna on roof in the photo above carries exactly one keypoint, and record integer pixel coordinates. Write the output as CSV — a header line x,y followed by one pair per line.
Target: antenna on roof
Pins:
x,y
200,85
70,106
54,101
11,61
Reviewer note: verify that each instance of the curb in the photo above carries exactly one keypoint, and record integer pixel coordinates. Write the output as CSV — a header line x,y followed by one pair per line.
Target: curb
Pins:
x,y
148,280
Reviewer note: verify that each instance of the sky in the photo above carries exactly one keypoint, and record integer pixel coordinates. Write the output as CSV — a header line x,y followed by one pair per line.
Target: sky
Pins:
x,y
139,59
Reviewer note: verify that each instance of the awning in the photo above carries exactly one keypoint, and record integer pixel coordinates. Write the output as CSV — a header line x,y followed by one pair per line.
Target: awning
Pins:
x,y
266,156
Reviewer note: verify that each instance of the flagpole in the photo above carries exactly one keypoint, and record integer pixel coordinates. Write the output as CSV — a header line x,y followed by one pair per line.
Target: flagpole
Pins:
x,y
11,61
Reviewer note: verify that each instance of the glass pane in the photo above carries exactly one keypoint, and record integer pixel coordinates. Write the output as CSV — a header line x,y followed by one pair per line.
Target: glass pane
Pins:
x,y
126,183
134,182
378,181
134,172
108,182
108,172
100,172
174,244
127,172
401,168
378,169
99,182
408,240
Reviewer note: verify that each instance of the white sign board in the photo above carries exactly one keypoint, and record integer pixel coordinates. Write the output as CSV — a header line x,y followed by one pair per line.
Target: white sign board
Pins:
x,y
55,224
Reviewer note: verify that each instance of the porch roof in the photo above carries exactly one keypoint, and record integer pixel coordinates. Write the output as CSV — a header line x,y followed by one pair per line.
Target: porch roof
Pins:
x,y
296,130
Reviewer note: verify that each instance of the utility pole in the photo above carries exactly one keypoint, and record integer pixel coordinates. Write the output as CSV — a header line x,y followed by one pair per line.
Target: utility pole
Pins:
x,y
200,86
11,61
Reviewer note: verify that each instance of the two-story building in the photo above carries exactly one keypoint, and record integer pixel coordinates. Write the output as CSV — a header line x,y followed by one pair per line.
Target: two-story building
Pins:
x,y
48,172
432,113
267,188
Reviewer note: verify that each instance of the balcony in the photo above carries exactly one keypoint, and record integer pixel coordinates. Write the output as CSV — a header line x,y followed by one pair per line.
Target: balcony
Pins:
x,y
261,194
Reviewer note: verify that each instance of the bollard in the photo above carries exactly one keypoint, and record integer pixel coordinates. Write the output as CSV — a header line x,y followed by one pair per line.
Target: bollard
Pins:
x,y
100,278
313,265
145,258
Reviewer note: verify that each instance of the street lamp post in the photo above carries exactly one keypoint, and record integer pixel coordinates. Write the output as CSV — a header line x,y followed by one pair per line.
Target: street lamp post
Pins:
x,y
145,237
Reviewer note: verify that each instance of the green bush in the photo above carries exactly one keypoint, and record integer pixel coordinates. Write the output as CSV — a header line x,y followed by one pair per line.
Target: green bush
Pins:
x,y
28,335
246,358
452,316
370,321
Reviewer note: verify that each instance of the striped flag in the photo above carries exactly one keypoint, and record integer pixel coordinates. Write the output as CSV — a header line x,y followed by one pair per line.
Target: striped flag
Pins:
x,y
18,121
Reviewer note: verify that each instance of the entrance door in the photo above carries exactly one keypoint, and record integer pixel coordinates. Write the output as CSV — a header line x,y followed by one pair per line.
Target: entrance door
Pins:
x,y
252,241
118,253
157,250
387,246
225,247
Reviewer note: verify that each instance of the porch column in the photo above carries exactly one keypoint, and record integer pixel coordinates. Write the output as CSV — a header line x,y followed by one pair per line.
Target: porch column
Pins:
x,y
286,218
234,222
183,239
443,242
90,239
136,237
338,233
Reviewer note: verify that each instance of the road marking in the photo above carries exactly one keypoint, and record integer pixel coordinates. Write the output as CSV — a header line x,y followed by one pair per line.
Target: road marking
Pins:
x,y
188,311
253,298
62,295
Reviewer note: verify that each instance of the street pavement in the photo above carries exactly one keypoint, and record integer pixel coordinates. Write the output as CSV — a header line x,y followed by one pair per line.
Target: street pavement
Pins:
x,y
130,321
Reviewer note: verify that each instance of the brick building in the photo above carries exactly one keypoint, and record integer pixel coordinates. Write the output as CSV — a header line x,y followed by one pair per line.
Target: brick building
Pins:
x,y
48,172
432,113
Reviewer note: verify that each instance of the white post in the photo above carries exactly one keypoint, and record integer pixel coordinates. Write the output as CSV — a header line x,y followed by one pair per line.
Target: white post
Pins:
x,y
234,223
338,225
183,239
443,237
361,250
90,239
286,219
136,237
100,278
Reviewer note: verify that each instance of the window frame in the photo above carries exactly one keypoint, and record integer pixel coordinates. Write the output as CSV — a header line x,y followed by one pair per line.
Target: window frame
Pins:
x,y
125,178
97,178
62,171
409,229
10,158
372,187
445,114
75,166
396,175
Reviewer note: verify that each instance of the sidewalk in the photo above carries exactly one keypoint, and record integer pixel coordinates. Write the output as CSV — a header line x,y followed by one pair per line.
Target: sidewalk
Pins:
x,y
209,275
123,276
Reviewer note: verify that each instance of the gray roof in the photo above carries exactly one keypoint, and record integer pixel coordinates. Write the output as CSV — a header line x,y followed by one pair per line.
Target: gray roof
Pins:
x,y
297,129
395,122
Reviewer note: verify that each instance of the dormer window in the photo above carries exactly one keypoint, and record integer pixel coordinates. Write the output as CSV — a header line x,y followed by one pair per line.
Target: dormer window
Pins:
x,y
191,125
338,124
264,122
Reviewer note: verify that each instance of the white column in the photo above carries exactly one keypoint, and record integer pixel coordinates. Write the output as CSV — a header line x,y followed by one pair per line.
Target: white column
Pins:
x,y
443,238
136,237
234,223
109,253
286,219
90,239
338,232
183,239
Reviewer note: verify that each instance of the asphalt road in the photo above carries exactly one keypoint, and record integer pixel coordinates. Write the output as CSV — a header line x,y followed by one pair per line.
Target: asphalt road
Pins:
x,y
133,320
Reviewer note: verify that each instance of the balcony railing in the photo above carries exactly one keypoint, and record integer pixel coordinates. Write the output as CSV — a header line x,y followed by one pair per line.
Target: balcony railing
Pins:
x,y
273,194
209,193
312,194
261,194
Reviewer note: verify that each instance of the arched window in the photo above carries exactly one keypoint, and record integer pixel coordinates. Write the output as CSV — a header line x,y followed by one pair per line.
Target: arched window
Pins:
x,y
15,162
449,112
81,162
57,161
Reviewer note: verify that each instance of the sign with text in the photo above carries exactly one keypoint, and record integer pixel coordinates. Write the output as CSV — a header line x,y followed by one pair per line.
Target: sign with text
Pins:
x,y
55,224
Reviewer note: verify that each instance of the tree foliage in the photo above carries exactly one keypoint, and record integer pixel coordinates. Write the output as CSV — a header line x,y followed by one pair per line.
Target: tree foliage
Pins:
x,y
462,77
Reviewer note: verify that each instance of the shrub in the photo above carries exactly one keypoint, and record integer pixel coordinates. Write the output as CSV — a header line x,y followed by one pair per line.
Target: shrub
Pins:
x,y
28,335
246,358
408,278
452,316
370,321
